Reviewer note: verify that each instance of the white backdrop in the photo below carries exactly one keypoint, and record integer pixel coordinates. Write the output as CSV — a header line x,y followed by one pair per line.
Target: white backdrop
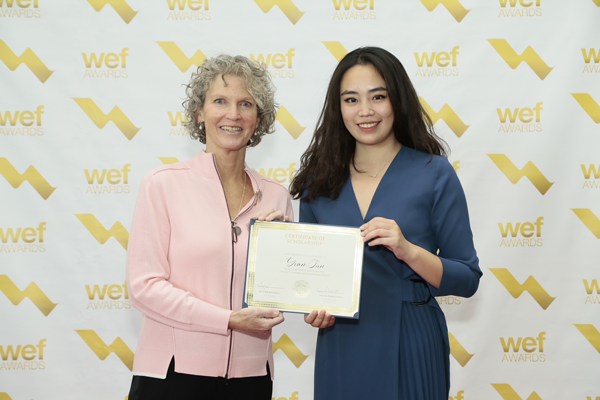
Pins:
x,y
91,100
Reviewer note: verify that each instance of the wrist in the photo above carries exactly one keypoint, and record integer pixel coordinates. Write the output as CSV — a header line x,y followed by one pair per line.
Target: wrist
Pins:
x,y
411,254
232,321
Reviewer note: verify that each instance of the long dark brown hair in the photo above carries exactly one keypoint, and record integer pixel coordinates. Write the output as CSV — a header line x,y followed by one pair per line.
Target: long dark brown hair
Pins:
x,y
325,165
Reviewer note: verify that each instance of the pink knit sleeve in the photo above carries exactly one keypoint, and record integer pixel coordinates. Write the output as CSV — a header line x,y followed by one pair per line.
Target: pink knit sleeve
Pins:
x,y
148,269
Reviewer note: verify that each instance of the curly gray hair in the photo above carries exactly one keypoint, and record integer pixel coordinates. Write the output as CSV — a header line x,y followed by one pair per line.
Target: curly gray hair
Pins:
x,y
258,83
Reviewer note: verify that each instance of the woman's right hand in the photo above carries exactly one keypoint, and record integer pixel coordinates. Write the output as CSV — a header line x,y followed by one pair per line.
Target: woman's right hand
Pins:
x,y
319,319
258,320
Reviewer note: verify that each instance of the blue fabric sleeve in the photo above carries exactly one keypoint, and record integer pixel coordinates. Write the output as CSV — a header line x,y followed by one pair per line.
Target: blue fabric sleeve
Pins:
x,y
450,222
306,213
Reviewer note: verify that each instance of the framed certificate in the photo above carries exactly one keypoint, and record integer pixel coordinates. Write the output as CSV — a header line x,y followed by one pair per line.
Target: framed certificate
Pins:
x,y
304,267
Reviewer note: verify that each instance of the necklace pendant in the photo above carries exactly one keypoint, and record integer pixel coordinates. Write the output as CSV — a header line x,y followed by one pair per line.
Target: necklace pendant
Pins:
x,y
237,230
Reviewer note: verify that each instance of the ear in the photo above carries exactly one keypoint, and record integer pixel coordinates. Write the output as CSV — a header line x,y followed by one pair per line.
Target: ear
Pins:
x,y
200,116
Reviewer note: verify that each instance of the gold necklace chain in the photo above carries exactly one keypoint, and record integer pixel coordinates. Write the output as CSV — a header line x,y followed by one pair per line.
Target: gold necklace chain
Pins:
x,y
380,169
243,195
236,229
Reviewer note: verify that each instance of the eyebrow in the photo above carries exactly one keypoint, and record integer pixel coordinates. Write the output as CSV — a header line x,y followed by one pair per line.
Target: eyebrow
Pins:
x,y
377,89
218,95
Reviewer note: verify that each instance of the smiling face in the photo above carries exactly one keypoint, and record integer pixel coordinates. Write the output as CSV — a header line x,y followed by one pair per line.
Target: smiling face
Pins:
x,y
366,108
229,114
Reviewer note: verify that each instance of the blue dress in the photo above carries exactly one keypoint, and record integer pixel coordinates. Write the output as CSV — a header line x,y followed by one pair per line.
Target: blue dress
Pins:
x,y
398,348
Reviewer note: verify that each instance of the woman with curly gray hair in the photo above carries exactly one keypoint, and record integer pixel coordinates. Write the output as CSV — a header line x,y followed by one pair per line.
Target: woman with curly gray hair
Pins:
x,y
188,244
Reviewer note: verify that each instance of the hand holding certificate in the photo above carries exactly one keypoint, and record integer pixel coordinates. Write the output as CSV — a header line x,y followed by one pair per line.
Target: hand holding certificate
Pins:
x,y
304,267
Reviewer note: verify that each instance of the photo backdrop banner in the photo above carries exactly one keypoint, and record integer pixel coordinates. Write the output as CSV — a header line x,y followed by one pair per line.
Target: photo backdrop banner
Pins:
x,y
91,101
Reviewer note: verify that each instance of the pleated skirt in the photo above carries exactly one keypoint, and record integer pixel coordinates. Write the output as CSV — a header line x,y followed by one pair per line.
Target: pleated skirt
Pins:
x,y
422,359
404,360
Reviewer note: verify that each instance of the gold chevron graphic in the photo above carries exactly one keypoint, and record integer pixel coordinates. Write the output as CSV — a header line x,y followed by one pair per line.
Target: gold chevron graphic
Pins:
x,y
459,353
513,59
453,6
448,115
596,2
100,119
336,49
5,396
588,104
289,123
120,6
288,347
31,175
516,289
591,334
286,6
168,160
28,58
100,233
35,294
530,171
179,58
101,350
589,219
508,393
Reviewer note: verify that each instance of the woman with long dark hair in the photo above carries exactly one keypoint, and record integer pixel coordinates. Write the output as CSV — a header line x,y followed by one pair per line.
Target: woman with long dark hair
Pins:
x,y
375,163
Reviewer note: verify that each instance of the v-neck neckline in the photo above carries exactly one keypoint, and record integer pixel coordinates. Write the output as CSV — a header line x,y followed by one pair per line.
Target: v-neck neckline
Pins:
x,y
364,219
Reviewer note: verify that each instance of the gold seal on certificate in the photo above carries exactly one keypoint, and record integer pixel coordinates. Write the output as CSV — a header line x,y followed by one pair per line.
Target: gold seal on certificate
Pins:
x,y
303,267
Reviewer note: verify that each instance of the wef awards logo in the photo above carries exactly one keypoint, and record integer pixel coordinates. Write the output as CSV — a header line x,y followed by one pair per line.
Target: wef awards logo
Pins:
x,y
514,175
29,58
289,122
457,350
116,116
529,56
102,351
516,289
589,219
354,10
100,233
290,349
286,6
197,10
592,335
438,63
448,115
23,239
25,118
453,6
336,49
120,6
589,105
32,291
23,9
168,160
508,393
179,58
31,175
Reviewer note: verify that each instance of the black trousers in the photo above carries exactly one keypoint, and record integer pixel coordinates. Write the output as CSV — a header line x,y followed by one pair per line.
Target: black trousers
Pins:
x,y
177,386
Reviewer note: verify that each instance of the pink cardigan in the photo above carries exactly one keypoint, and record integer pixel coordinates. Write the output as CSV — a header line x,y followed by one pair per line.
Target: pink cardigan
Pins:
x,y
186,275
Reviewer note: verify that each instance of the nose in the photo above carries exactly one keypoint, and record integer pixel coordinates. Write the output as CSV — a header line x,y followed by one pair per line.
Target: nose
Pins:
x,y
365,109
233,113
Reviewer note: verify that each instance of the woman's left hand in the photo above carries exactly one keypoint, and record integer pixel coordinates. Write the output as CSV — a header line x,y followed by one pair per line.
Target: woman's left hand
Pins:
x,y
386,232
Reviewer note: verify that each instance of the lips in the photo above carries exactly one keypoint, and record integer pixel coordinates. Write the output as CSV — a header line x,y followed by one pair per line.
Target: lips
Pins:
x,y
231,128
368,125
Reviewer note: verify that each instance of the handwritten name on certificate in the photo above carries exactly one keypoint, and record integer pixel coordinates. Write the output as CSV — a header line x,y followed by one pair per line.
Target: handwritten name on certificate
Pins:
x,y
303,267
